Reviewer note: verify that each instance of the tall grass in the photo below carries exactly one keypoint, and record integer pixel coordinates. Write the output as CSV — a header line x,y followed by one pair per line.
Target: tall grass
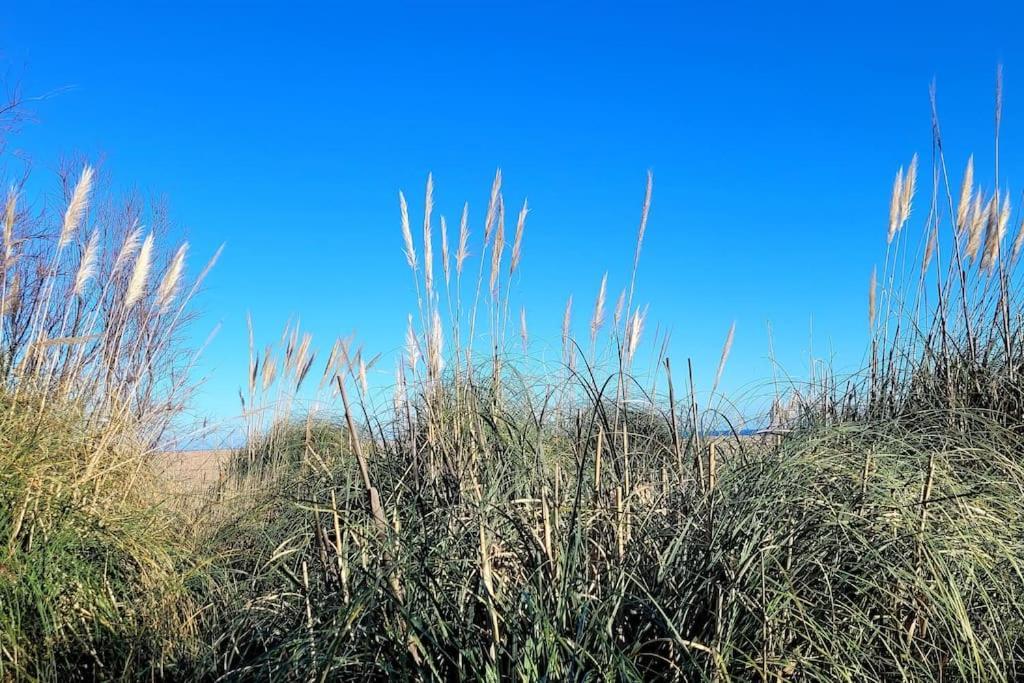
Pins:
x,y
95,580
592,522
497,518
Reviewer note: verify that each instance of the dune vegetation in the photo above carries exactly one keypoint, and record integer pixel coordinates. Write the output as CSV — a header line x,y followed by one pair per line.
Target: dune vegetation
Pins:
x,y
498,517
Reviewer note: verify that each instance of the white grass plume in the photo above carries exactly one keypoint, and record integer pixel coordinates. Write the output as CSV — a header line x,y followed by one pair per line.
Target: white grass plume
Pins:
x,y
140,273
87,266
76,207
171,281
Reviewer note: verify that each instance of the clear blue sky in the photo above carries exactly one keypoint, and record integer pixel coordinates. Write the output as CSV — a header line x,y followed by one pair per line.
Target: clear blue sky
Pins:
x,y
287,129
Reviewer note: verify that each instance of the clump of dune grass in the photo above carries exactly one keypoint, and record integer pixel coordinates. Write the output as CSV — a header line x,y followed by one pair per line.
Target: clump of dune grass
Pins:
x,y
591,520
96,580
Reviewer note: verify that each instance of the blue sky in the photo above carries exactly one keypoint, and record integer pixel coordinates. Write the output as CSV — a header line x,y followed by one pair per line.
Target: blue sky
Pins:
x,y
287,129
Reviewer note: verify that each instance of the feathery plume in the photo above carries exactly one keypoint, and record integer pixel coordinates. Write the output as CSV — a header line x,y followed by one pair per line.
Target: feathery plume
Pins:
x,y
517,244
1018,242
598,320
436,348
499,246
412,347
636,327
410,250
644,212
977,221
619,306
463,252
401,394
428,247
929,249
168,288
995,227
137,282
269,369
963,209
87,266
726,348
909,187
492,206
895,205
128,248
76,207
363,383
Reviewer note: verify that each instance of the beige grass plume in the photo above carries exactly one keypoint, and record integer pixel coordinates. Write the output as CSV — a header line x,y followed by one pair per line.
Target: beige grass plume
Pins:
x,y
363,382
499,246
435,359
1018,242
87,266
894,206
620,304
517,243
598,320
963,209
995,230
401,393
726,348
171,281
410,250
463,250
929,249
976,223
140,274
76,207
492,206
412,347
909,188
903,189
636,328
428,246
128,248
566,325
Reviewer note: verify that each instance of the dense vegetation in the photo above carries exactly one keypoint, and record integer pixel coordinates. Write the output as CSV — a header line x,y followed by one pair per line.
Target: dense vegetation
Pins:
x,y
595,520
